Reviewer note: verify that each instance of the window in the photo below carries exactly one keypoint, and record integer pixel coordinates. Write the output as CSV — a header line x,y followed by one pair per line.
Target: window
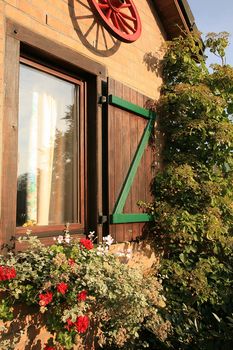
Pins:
x,y
50,148
70,188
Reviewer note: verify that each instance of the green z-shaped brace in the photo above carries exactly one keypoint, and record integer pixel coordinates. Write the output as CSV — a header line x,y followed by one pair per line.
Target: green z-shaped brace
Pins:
x,y
118,217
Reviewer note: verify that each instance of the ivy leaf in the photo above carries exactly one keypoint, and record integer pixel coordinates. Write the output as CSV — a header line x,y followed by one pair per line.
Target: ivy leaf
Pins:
x,y
182,257
216,316
195,323
230,108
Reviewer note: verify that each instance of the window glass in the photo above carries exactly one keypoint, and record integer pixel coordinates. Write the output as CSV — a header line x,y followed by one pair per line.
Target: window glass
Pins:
x,y
48,165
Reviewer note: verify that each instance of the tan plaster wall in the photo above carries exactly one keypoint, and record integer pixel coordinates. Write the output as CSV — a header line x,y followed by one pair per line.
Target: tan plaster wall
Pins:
x,y
139,255
55,19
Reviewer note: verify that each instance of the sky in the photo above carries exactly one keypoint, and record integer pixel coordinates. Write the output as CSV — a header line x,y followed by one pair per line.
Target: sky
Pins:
x,y
214,16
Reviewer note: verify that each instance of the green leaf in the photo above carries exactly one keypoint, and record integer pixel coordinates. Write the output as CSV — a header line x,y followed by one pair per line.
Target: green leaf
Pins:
x,y
216,316
182,258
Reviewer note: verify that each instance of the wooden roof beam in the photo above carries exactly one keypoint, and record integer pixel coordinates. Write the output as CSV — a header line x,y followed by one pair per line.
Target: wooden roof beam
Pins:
x,y
176,16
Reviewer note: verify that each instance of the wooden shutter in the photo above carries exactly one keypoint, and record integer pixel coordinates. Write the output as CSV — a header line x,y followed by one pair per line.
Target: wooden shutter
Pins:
x,y
130,160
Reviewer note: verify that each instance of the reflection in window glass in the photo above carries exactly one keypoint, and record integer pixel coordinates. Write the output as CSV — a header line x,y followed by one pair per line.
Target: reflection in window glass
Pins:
x,y
47,149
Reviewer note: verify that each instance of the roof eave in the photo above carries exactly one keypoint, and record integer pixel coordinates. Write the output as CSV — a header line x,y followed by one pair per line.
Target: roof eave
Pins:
x,y
176,17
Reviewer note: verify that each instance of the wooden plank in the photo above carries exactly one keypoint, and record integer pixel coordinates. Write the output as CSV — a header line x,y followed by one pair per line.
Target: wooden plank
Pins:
x,y
127,158
148,172
141,168
118,157
135,137
10,139
82,200
91,157
133,168
111,157
183,20
55,49
99,159
50,230
173,17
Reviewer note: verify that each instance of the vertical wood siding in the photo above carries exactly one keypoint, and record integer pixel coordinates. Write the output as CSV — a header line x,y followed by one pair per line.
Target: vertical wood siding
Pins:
x,y
125,130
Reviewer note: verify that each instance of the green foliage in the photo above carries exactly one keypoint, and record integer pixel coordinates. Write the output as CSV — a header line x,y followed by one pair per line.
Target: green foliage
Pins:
x,y
179,63
217,43
193,195
115,303
6,312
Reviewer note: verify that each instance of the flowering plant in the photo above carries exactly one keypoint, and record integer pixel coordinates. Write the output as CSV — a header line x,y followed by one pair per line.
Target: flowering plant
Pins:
x,y
83,297
7,273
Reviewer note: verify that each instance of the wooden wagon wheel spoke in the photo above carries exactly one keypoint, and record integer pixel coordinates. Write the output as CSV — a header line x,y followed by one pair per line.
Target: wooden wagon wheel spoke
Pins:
x,y
103,6
119,17
115,21
125,23
108,14
128,17
124,26
125,6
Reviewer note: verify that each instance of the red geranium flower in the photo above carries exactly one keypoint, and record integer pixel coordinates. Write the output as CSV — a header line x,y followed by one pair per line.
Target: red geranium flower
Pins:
x,y
45,298
82,324
7,273
47,347
69,324
82,295
62,288
86,243
71,262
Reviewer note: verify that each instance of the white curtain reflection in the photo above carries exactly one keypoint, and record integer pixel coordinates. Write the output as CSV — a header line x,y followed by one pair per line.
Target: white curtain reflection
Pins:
x,y
47,167
42,135
31,193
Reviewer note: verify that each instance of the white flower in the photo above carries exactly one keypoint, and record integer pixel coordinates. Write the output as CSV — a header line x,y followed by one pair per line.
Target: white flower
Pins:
x,y
120,253
128,253
91,235
108,240
67,238
100,250
59,239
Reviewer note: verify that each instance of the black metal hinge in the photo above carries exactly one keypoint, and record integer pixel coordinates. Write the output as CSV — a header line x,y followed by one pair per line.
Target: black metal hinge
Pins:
x,y
103,219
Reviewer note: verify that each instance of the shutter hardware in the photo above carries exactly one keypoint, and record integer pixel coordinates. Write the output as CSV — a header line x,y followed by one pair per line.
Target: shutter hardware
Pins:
x,y
102,99
103,218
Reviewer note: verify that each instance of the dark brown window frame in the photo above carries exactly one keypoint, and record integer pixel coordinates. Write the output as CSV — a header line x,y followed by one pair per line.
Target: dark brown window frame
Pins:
x,y
62,59
73,226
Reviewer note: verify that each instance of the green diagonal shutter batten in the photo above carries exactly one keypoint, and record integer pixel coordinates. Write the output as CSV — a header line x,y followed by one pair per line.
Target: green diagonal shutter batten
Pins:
x,y
118,216
128,106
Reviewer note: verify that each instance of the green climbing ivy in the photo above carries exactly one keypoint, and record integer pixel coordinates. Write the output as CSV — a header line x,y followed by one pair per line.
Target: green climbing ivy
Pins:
x,y
193,195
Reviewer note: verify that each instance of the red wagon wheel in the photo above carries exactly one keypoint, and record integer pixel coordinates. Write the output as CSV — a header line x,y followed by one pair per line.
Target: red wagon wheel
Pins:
x,y
119,17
